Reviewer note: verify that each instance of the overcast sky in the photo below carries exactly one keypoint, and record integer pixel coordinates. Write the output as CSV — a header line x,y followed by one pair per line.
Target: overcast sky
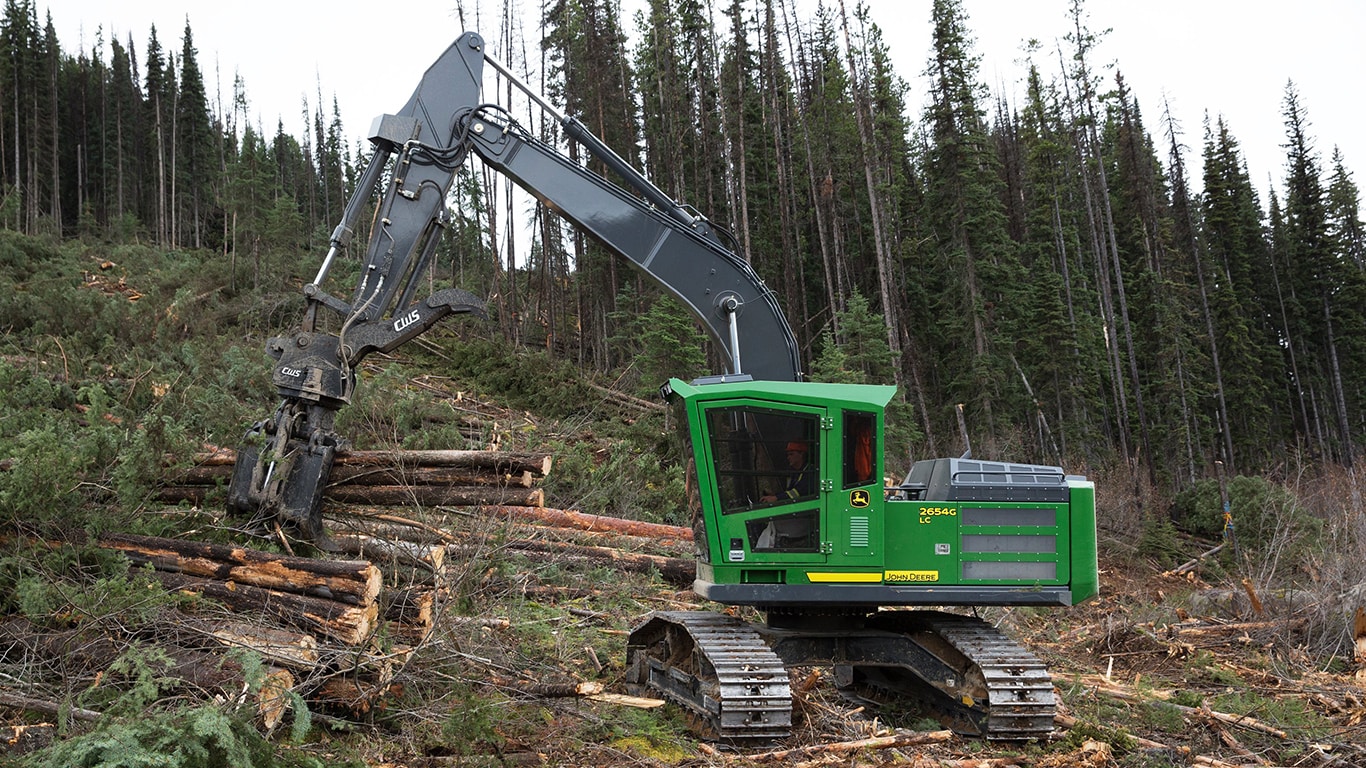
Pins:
x,y
1221,57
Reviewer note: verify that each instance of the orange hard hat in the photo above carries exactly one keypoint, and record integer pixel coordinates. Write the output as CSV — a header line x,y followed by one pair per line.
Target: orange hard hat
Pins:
x,y
796,446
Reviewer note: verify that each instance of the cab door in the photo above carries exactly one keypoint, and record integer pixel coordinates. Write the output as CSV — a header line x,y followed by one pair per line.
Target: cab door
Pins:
x,y
764,464
855,514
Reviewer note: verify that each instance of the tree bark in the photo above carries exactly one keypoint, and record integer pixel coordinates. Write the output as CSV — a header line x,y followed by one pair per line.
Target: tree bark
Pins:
x,y
538,464
348,624
348,581
428,495
568,518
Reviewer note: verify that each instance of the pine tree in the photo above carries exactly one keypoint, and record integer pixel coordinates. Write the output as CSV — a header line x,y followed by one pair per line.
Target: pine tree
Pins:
x,y
975,268
1058,348
588,54
1171,368
195,168
160,104
1241,300
1318,321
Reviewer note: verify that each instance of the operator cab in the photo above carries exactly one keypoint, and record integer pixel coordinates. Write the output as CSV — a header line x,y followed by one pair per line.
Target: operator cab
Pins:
x,y
783,476
790,509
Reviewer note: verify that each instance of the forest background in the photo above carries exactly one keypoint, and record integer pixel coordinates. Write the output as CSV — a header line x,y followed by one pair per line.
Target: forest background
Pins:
x,y
1047,265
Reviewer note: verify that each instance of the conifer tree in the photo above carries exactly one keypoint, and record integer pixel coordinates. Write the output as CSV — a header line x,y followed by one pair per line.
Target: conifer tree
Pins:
x,y
594,83
975,268
195,168
1058,350
1241,300
1318,320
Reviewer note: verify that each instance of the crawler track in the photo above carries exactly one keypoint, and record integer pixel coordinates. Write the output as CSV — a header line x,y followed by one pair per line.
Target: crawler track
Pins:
x,y
989,686
732,676
719,669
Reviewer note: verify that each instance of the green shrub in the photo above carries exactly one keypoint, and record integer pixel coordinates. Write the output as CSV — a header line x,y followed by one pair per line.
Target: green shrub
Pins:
x,y
197,737
1265,516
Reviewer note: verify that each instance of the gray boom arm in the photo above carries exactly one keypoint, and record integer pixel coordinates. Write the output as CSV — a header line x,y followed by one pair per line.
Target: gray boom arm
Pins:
x,y
286,462
679,250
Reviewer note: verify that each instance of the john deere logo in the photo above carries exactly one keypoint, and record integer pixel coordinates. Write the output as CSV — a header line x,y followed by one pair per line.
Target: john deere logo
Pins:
x,y
859,499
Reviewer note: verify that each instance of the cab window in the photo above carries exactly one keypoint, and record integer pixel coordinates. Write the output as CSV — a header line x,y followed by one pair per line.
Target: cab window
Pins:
x,y
860,436
763,457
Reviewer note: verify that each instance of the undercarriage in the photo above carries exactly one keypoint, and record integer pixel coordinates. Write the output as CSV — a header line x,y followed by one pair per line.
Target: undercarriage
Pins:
x,y
732,675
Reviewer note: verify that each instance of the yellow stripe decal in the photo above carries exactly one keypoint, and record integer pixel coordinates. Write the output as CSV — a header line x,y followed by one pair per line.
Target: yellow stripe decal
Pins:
x,y
849,578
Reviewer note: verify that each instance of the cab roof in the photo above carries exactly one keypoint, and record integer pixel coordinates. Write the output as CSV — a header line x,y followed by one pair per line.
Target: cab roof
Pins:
x,y
865,396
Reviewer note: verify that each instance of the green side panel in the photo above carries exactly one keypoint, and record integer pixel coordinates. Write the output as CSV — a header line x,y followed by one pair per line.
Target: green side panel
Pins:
x,y
1085,565
978,543
922,542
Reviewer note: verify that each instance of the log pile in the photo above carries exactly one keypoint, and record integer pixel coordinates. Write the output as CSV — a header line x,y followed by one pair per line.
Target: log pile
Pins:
x,y
326,629
339,631
395,478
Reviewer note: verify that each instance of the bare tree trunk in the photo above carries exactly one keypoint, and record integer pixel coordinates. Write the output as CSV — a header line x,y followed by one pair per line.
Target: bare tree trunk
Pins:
x,y
1339,396
822,190
55,154
880,247
163,236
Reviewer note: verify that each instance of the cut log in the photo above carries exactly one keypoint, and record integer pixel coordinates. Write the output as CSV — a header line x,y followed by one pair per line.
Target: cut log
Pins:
x,y
538,464
20,739
272,700
349,624
357,696
568,518
675,570
432,495
430,557
385,495
639,702
415,605
79,651
373,475
411,614
30,704
499,461
464,476
477,621
279,646
354,581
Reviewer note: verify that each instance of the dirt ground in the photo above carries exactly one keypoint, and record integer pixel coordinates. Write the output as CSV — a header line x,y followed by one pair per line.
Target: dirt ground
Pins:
x,y
1160,670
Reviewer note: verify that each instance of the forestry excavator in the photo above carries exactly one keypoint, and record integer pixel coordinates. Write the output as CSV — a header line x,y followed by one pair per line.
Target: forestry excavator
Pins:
x,y
791,513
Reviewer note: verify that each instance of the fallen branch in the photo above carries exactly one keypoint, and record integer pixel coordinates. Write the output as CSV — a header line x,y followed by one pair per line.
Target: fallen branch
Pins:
x,y
1068,722
908,739
1190,565
547,690
1203,713
30,704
